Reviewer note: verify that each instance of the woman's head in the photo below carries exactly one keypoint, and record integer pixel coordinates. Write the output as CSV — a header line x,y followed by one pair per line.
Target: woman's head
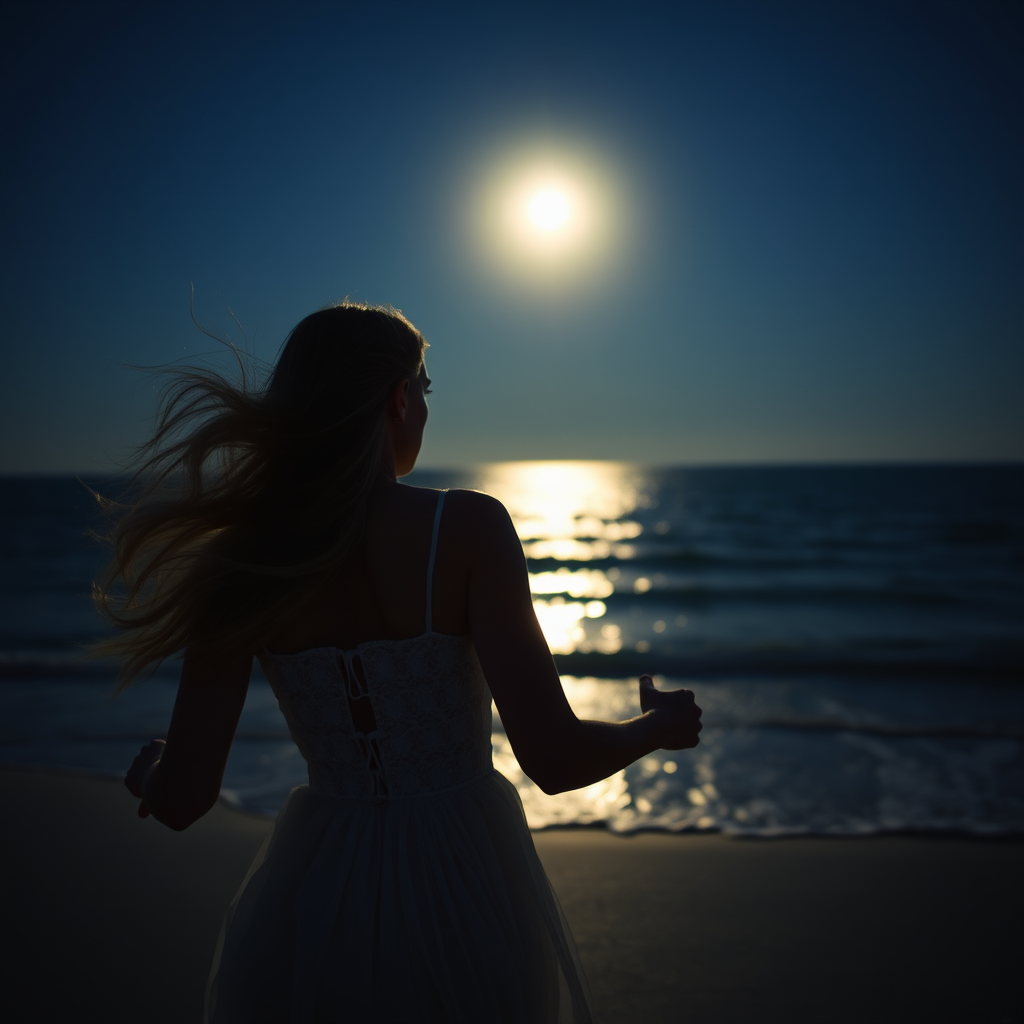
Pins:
x,y
343,359
252,499
337,371
330,404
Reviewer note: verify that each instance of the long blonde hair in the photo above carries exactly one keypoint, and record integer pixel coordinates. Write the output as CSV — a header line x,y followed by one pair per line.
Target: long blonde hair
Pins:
x,y
248,498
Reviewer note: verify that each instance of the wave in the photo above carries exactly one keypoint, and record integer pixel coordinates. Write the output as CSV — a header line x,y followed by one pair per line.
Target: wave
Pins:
x,y
38,665
70,666
1010,731
788,594
913,660
77,735
952,731
773,663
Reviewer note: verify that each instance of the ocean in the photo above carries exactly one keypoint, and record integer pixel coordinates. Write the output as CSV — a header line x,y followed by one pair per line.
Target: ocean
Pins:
x,y
854,634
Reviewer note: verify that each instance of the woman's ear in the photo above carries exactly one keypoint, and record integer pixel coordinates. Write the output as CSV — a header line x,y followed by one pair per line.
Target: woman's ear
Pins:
x,y
398,403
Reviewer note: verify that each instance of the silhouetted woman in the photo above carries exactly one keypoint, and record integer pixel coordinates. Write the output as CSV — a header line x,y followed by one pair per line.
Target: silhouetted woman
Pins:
x,y
401,884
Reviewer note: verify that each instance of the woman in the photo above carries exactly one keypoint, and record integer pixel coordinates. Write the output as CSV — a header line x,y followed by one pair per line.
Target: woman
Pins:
x,y
402,883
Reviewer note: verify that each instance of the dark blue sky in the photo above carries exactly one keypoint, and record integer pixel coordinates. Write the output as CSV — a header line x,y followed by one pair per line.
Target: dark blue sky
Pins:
x,y
818,251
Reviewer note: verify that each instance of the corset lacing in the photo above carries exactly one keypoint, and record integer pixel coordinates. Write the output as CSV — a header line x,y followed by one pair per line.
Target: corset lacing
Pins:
x,y
362,715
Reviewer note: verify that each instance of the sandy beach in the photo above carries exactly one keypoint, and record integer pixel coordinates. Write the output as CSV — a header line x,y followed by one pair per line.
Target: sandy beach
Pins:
x,y
112,919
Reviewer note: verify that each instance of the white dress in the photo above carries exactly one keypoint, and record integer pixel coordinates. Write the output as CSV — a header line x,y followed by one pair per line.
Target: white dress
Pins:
x,y
402,884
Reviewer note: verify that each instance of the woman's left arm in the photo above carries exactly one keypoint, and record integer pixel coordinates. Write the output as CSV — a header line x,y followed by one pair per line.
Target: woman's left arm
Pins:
x,y
179,780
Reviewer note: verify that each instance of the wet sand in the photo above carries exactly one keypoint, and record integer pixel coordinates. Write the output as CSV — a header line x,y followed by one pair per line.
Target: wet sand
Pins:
x,y
111,919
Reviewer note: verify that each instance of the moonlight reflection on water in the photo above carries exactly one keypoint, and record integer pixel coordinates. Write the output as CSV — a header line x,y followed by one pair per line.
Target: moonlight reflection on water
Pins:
x,y
571,511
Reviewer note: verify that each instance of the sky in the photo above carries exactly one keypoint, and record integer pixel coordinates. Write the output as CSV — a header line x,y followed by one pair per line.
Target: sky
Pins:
x,y
800,225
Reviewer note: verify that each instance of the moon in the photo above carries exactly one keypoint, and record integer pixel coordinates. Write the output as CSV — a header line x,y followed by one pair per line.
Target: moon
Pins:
x,y
549,210
548,216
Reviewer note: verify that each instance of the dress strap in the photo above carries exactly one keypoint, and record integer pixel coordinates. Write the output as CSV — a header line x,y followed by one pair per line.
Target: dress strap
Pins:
x,y
430,564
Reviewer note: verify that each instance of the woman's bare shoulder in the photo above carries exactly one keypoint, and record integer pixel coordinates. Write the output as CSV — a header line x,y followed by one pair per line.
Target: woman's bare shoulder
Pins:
x,y
475,507
479,520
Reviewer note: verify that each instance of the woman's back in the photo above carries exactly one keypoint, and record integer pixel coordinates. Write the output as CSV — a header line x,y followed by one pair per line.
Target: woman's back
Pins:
x,y
387,717
381,594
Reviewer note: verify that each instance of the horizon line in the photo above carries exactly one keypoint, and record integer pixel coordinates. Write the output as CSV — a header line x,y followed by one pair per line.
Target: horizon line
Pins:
x,y
794,463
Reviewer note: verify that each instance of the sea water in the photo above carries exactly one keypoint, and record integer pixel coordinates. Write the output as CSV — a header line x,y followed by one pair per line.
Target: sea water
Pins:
x,y
855,636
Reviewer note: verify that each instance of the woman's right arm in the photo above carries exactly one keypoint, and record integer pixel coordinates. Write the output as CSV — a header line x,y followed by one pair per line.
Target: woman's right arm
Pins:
x,y
556,749
179,780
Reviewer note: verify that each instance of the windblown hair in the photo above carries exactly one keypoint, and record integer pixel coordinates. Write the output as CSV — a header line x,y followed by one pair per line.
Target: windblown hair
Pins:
x,y
248,499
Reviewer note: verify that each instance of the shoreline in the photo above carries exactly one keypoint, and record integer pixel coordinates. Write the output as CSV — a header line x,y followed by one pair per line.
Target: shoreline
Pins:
x,y
112,918
980,835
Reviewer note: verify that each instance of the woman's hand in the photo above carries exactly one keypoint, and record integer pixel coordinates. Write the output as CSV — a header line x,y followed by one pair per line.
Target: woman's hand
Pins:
x,y
147,759
680,716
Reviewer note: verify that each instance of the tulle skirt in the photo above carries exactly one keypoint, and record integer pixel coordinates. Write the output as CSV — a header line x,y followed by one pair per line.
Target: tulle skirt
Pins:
x,y
428,909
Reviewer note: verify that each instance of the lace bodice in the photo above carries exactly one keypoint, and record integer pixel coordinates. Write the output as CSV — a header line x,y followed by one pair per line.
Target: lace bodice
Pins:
x,y
426,698
429,699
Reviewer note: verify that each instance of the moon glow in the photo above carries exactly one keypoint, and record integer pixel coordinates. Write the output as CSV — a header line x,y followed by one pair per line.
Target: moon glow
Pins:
x,y
547,216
